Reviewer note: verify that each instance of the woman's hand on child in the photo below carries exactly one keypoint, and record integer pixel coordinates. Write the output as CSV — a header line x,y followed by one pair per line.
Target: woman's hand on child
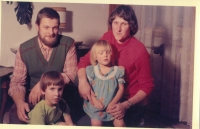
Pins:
x,y
117,110
110,105
85,91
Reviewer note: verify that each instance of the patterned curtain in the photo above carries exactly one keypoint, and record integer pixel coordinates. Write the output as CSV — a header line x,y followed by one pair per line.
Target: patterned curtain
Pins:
x,y
173,71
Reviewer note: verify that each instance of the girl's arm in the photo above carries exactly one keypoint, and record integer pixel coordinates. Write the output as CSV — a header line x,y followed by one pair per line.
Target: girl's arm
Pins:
x,y
68,120
117,97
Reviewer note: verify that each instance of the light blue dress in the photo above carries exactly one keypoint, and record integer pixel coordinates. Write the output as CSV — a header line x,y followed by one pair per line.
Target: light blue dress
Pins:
x,y
105,88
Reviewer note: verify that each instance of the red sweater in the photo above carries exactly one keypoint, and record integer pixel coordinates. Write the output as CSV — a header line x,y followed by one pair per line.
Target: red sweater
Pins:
x,y
133,56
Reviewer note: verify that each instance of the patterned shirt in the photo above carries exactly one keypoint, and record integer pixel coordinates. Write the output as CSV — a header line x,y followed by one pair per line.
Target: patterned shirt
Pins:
x,y
18,78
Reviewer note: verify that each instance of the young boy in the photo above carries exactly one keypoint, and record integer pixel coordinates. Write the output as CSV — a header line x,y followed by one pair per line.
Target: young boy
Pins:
x,y
52,107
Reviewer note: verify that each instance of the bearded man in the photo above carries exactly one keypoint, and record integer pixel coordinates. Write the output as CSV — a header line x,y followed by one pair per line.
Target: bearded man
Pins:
x,y
45,52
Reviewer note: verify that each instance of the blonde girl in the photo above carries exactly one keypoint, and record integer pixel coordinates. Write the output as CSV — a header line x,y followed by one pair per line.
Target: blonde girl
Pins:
x,y
106,81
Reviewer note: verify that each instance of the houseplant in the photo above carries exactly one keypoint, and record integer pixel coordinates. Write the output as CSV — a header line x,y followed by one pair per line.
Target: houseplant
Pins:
x,y
24,11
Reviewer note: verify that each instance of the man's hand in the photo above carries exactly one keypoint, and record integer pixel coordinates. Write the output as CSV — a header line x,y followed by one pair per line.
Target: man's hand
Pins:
x,y
35,94
117,110
22,108
85,91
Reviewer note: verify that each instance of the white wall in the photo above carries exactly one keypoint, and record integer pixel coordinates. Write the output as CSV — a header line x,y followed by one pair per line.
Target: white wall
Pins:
x,y
86,22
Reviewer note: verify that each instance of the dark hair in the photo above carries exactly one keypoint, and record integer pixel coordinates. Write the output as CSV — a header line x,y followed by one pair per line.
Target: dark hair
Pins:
x,y
128,14
47,13
51,78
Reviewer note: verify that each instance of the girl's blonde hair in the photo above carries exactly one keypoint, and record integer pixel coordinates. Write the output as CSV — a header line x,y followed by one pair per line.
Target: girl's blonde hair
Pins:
x,y
97,47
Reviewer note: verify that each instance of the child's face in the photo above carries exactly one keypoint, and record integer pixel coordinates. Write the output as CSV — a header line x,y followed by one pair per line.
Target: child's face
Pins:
x,y
53,94
104,57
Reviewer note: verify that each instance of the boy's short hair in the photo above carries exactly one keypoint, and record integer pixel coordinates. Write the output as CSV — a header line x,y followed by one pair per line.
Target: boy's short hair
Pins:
x,y
51,78
97,47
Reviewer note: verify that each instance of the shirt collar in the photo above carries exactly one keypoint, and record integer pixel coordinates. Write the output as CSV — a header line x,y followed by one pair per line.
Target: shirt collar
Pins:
x,y
42,46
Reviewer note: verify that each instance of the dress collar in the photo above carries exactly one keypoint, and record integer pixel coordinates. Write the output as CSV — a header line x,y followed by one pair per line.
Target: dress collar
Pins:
x,y
99,69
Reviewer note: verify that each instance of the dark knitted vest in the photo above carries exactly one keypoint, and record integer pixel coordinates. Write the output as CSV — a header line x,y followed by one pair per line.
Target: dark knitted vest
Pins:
x,y
35,62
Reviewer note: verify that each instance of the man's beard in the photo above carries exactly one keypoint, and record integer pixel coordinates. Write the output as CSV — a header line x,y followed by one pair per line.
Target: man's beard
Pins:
x,y
48,43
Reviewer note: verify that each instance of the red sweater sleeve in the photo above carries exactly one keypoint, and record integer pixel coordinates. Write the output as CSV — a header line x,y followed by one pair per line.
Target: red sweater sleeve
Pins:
x,y
145,79
84,61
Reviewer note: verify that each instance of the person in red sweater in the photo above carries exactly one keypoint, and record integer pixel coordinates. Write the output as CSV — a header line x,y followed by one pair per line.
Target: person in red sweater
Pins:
x,y
133,56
